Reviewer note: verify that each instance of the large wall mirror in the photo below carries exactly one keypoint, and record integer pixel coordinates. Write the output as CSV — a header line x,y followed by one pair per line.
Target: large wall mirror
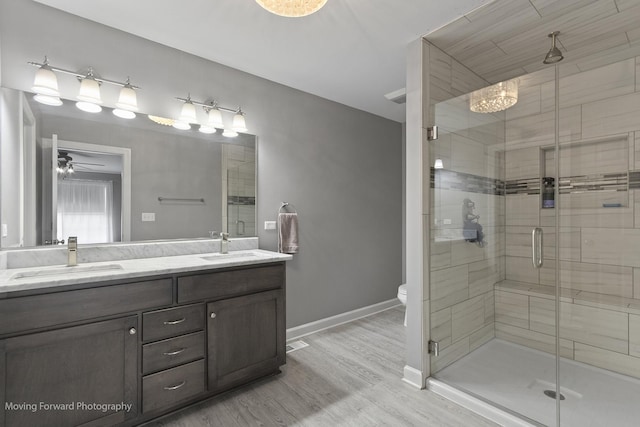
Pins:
x,y
106,179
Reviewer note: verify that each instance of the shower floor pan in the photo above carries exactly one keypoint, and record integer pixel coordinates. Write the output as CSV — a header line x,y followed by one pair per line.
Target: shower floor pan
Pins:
x,y
516,377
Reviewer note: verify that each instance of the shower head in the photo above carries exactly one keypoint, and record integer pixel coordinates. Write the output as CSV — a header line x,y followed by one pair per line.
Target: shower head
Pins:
x,y
554,55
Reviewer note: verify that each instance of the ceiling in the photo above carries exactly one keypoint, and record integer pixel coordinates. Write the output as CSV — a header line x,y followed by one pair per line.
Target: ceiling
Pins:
x,y
508,38
351,51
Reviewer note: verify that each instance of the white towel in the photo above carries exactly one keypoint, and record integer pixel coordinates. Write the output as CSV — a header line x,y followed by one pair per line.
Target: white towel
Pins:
x,y
288,233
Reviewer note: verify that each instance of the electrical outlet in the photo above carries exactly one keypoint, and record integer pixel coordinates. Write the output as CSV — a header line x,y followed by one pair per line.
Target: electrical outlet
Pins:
x,y
148,216
269,225
5,230
447,221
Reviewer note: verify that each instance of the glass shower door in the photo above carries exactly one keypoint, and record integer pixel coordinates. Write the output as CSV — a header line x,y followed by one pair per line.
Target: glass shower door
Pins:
x,y
492,312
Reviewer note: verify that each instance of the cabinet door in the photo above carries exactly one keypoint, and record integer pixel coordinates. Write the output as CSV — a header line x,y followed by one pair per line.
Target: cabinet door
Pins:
x,y
68,377
246,338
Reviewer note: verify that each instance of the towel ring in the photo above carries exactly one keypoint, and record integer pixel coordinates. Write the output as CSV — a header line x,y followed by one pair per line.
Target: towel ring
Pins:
x,y
288,208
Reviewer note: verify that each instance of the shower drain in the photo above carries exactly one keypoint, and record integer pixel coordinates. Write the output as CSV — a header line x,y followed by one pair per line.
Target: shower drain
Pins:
x,y
552,394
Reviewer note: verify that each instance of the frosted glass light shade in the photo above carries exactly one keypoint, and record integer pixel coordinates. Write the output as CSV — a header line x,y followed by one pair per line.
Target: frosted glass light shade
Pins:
x,y
181,125
188,113
124,114
438,164
207,129
239,124
127,99
48,100
45,82
292,8
90,91
88,107
215,118
492,99
229,133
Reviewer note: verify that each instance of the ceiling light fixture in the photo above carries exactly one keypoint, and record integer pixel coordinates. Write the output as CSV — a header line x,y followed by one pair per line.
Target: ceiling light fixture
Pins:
x,y
161,120
45,86
214,117
292,8
497,97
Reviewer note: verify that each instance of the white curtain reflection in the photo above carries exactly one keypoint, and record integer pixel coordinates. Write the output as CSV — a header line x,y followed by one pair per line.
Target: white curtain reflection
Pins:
x,y
85,209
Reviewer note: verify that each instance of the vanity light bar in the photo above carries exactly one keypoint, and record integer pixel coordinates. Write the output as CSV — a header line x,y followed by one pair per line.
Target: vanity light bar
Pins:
x,y
82,76
210,105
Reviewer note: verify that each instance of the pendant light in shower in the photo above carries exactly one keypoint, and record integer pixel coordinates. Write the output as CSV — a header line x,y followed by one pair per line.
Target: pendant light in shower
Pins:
x,y
497,97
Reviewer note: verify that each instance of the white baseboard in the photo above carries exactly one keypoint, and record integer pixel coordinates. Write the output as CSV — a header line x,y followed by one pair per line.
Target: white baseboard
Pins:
x,y
476,405
413,376
329,322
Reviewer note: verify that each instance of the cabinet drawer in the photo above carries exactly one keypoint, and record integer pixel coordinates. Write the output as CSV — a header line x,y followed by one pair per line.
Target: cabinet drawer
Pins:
x,y
170,322
230,283
39,311
172,352
168,387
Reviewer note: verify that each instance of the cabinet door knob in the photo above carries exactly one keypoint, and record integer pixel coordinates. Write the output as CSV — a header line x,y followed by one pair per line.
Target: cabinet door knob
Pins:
x,y
213,315
132,331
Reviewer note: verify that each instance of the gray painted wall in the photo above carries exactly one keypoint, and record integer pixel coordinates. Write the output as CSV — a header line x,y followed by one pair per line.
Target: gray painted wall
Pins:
x,y
340,167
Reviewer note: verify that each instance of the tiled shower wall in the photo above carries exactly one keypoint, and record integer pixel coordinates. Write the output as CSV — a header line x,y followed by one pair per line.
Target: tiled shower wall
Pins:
x,y
239,184
599,246
462,274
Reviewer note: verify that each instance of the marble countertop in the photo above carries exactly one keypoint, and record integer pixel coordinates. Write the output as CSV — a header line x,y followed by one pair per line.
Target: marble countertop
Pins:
x,y
53,276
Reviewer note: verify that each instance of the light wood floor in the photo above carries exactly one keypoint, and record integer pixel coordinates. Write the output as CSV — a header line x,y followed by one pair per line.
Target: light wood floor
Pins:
x,y
349,375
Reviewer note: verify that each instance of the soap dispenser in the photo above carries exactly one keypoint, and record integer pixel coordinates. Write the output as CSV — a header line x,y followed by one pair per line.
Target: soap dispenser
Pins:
x,y
224,243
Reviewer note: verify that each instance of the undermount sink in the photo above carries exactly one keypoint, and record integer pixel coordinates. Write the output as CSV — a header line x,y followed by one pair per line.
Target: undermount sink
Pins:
x,y
65,271
220,257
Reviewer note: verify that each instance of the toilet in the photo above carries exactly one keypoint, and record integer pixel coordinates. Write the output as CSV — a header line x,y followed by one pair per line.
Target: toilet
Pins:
x,y
402,296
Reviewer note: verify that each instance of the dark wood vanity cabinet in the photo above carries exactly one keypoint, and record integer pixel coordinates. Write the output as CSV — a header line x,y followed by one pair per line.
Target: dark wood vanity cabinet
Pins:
x,y
246,338
156,344
55,378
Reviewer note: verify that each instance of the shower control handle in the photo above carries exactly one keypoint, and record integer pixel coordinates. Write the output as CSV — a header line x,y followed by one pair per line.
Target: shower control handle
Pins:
x,y
536,247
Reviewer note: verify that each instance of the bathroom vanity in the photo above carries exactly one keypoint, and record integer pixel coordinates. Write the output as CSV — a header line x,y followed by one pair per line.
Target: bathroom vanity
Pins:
x,y
120,344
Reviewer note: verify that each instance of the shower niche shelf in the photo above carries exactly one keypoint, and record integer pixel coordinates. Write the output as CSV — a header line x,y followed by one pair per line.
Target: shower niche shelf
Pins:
x,y
594,174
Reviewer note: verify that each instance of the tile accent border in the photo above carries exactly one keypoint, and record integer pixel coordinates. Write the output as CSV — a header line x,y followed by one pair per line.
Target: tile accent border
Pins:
x,y
443,179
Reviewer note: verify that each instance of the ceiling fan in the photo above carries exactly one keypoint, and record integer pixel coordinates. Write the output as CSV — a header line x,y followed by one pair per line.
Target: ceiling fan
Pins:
x,y
66,164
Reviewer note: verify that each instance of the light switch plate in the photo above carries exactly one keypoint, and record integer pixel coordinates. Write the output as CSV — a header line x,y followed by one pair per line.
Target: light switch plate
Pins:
x,y
148,216
269,225
5,230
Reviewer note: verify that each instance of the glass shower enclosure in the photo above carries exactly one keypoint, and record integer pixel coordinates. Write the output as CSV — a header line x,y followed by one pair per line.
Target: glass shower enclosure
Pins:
x,y
534,265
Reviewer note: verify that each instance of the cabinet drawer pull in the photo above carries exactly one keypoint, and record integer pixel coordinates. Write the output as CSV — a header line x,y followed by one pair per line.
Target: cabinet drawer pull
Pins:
x,y
175,387
174,322
174,352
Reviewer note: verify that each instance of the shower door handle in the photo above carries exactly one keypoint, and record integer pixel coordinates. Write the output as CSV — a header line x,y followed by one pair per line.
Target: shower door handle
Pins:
x,y
536,247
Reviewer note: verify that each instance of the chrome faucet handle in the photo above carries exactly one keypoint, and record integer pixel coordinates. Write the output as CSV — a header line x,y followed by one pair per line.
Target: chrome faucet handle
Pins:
x,y
224,236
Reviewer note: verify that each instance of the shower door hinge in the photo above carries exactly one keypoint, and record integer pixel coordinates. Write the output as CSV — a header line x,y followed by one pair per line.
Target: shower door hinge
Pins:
x,y
434,348
432,133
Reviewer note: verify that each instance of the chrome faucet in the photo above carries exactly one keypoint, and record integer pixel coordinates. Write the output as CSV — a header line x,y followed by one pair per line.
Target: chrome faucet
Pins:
x,y
72,250
224,243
